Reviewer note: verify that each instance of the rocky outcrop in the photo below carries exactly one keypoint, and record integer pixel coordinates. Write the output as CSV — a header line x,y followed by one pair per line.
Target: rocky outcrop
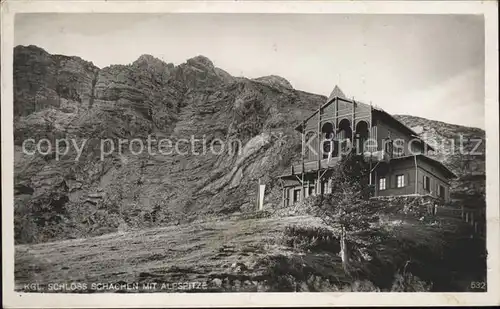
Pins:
x,y
275,81
42,80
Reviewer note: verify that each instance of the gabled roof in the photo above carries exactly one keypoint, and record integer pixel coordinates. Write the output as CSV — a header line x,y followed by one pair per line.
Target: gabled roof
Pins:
x,y
388,117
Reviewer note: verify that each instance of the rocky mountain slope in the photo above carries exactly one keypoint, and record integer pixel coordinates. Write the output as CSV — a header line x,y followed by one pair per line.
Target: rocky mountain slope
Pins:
x,y
248,122
461,148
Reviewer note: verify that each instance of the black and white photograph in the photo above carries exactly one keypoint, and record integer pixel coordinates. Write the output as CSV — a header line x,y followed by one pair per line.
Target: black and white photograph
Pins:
x,y
217,153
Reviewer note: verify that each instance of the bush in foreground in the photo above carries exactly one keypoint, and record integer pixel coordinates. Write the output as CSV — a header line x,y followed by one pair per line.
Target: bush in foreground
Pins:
x,y
310,239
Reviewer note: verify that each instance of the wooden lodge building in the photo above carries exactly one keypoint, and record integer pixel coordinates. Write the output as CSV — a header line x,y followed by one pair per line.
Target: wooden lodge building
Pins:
x,y
398,159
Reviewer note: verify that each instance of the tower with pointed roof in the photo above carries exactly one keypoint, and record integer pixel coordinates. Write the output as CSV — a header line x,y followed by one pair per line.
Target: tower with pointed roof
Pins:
x,y
336,93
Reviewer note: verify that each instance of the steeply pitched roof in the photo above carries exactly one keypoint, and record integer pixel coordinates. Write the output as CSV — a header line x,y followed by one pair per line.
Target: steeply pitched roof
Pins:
x,y
336,92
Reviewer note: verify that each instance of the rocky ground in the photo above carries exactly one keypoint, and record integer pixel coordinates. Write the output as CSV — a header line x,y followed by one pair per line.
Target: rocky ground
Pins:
x,y
255,253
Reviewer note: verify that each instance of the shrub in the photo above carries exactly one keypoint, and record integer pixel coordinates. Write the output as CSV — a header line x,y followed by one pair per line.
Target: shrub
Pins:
x,y
407,282
308,206
310,238
288,273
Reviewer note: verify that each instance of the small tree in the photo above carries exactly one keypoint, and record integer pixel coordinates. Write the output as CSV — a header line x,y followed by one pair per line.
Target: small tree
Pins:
x,y
347,208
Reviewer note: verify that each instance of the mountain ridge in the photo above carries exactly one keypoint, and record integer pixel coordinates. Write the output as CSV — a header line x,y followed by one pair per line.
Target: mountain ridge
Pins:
x,y
274,80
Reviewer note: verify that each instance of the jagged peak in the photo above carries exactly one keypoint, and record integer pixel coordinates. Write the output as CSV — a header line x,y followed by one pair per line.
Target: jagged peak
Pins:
x,y
200,60
147,59
30,47
34,49
336,92
275,80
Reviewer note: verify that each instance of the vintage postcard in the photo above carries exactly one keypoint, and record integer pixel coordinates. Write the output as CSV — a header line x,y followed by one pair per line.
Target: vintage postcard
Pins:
x,y
247,153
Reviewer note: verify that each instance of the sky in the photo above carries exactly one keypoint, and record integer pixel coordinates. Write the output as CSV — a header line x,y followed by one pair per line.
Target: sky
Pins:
x,y
430,66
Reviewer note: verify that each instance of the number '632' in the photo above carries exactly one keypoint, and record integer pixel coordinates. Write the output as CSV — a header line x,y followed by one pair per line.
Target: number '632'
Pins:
x,y
478,285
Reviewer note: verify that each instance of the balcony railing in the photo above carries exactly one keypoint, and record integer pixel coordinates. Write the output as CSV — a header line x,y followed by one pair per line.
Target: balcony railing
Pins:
x,y
314,165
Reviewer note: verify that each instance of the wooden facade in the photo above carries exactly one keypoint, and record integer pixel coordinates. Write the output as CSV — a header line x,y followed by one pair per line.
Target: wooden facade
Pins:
x,y
397,156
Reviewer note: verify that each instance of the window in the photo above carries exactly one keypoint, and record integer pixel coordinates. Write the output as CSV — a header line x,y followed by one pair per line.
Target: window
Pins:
x,y
382,183
296,195
400,181
427,183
